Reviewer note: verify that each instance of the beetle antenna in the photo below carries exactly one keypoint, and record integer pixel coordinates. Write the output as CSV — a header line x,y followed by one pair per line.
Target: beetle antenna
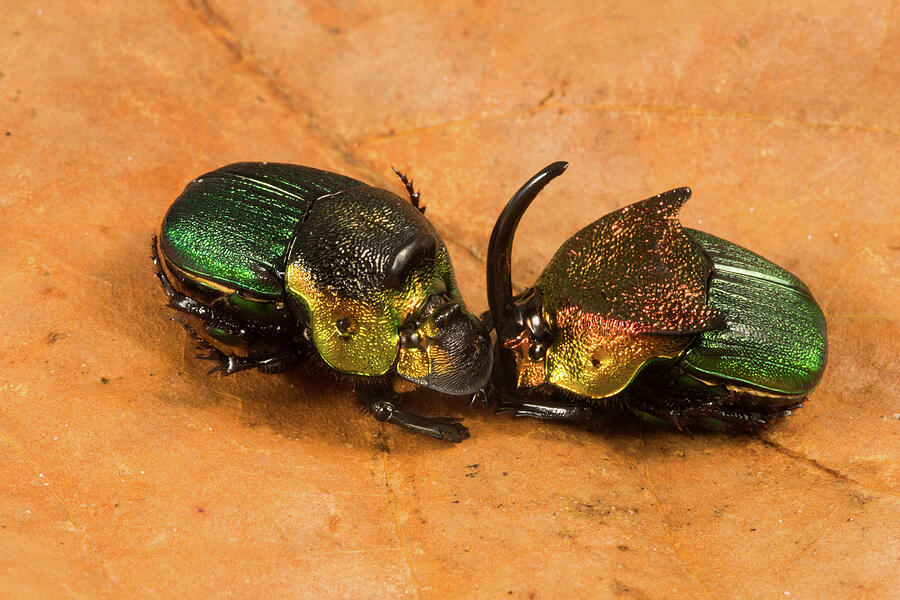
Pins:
x,y
414,196
499,276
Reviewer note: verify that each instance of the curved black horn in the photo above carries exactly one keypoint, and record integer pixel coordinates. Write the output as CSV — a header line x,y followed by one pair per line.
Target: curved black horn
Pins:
x,y
499,281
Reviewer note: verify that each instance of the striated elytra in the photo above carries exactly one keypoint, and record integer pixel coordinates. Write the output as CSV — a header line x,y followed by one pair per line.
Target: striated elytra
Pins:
x,y
636,312
281,263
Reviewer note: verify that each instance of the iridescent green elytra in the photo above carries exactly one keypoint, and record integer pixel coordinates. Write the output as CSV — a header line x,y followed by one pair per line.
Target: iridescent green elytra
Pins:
x,y
635,311
279,260
774,336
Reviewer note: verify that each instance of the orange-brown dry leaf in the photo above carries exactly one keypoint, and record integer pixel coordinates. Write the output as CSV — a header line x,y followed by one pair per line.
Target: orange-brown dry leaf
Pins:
x,y
129,473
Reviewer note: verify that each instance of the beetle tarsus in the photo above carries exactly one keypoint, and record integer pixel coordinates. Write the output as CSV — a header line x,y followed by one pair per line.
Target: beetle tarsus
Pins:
x,y
414,196
442,428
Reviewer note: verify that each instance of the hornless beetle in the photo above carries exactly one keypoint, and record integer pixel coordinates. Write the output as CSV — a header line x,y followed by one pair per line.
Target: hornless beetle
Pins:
x,y
281,262
636,312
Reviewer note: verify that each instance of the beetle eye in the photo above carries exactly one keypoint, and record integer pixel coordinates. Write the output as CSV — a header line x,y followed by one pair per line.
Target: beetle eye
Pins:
x,y
346,327
537,351
410,338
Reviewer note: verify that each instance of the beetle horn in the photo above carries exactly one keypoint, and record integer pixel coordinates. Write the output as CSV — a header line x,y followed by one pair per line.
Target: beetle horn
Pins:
x,y
499,277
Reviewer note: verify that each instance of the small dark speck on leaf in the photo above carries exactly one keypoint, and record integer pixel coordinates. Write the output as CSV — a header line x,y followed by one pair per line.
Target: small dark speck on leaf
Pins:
x,y
456,502
472,466
334,30
104,380
860,499
505,473
55,336
8,133
546,97
622,547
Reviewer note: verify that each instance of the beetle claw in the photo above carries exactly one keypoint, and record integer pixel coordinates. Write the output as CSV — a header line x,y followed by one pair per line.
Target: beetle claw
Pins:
x,y
484,395
448,428
454,432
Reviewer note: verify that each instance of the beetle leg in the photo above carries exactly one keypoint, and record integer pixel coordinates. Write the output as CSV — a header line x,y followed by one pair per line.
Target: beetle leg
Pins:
x,y
228,364
547,409
747,419
442,428
177,300
414,196
383,408
275,363
709,414
212,315
188,305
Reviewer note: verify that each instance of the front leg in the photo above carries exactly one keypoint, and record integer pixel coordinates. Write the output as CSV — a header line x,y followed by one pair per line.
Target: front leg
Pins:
x,y
548,409
382,404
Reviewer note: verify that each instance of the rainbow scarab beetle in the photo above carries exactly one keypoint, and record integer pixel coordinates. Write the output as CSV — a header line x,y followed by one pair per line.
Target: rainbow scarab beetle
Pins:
x,y
636,312
282,262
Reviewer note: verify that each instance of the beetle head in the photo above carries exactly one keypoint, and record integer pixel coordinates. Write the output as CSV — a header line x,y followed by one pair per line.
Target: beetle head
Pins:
x,y
441,346
445,348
